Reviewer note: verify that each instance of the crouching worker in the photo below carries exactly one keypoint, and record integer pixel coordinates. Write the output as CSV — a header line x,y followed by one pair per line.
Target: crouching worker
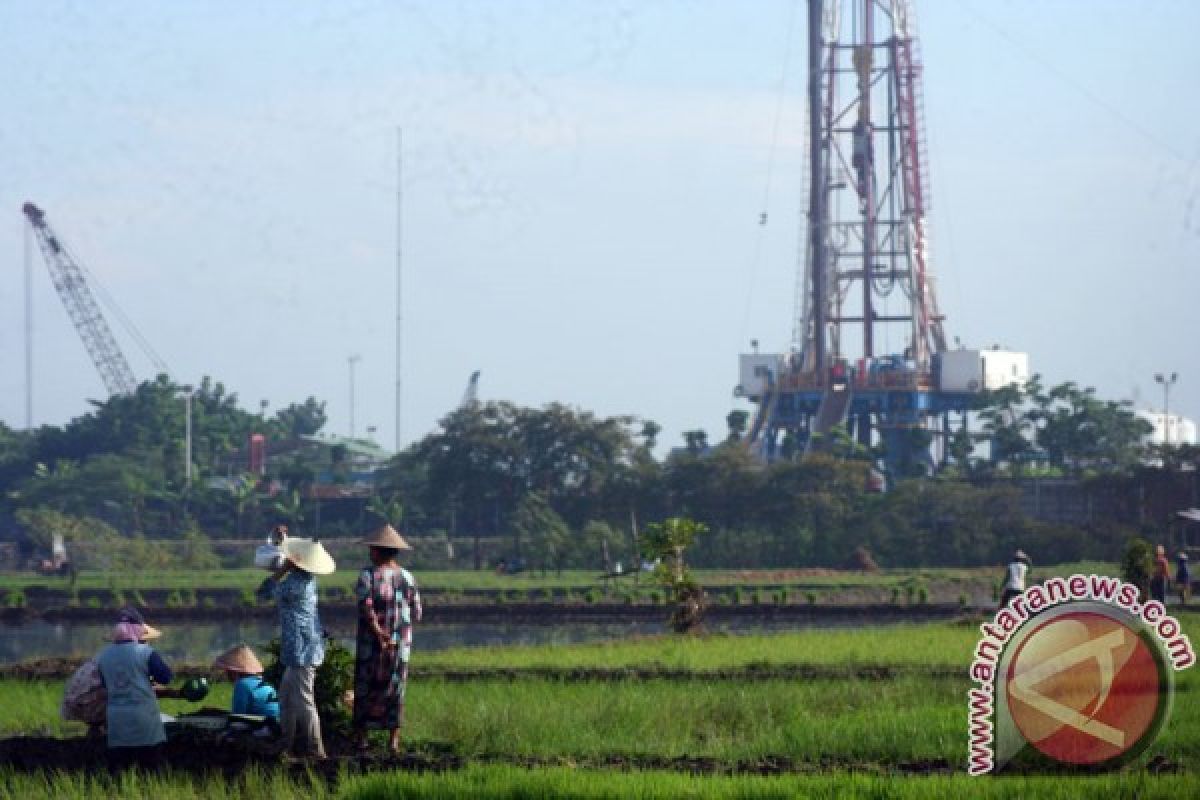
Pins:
x,y
130,668
252,695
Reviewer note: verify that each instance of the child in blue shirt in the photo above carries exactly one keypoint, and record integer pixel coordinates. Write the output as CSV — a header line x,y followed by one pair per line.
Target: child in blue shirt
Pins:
x,y
251,694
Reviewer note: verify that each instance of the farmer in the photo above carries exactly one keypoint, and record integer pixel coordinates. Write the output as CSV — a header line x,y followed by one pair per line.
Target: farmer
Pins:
x,y
1014,577
301,651
251,694
1183,577
1161,576
129,669
388,605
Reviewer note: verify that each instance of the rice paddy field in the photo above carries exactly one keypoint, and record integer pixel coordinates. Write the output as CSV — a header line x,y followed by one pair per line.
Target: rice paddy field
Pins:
x,y
869,712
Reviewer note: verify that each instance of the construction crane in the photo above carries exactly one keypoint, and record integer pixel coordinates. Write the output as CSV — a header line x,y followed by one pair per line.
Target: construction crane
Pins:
x,y
470,397
868,349
67,275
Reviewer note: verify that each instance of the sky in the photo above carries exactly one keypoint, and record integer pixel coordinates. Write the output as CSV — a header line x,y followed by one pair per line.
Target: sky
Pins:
x,y
582,185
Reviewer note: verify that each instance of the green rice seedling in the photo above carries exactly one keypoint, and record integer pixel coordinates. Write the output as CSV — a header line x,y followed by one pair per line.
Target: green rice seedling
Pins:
x,y
493,782
175,599
93,602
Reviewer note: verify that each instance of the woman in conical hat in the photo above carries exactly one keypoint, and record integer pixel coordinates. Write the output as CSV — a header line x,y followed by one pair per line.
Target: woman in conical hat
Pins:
x,y
251,694
130,668
388,605
302,648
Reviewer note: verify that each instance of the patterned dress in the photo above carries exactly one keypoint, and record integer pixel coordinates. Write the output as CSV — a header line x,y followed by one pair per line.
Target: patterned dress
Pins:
x,y
390,594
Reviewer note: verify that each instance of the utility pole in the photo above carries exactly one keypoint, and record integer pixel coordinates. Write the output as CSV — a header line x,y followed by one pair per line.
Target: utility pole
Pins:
x,y
352,360
399,271
28,328
1167,383
187,435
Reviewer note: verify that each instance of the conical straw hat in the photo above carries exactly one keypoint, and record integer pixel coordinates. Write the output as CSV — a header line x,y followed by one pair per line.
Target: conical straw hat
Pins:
x,y
387,537
239,659
131,627
309,556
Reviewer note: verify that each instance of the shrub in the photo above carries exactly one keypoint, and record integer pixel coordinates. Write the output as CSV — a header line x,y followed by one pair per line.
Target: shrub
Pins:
x,y
962,602
334,678
247,598
811,597
15,599
93,602
1137,565
208,602
895,595
118,599
756,597
922,594
175,599
737,595
591,597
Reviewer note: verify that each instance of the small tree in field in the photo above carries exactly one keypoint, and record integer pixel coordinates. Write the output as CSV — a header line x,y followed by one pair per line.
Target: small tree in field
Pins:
x,y
667,542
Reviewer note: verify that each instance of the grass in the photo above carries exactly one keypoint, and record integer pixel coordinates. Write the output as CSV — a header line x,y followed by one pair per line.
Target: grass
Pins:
x,y
857,736
30,708
573,784
496,782
935,644
487,782
252,784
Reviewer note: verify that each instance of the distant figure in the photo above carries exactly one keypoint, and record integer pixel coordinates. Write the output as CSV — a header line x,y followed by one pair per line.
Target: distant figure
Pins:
x,y
1161,577
1183,578
1014,577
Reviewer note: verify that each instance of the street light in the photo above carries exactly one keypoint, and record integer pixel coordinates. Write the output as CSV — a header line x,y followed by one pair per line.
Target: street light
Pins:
x,y
188,391
352,360
1167,383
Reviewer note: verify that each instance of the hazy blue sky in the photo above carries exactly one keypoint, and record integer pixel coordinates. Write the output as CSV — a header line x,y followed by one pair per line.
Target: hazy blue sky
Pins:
x,y
583,183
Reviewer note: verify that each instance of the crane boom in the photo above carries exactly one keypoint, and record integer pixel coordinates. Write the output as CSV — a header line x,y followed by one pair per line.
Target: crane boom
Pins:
x,y
81,306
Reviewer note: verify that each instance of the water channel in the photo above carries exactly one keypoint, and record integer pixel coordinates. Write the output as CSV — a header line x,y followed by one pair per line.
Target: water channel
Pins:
x,y
200,642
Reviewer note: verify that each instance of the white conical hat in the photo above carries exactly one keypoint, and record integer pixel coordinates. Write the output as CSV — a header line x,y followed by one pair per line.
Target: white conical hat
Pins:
x,y
308,555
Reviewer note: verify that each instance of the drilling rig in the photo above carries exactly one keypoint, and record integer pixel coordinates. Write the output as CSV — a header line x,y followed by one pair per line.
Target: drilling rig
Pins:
x,y
868,349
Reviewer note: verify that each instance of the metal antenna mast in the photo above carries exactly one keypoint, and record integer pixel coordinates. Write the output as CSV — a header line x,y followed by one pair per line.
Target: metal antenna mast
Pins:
x,y
81,306
399,272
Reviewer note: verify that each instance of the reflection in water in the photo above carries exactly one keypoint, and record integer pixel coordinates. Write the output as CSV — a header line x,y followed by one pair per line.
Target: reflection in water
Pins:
x,y
200,642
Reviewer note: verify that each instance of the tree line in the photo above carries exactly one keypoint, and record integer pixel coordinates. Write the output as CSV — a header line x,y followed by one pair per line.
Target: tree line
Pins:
x,y
559,486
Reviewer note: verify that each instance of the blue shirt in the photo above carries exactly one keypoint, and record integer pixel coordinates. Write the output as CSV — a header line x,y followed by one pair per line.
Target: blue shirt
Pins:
x,y
253,695
301,644
133,718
